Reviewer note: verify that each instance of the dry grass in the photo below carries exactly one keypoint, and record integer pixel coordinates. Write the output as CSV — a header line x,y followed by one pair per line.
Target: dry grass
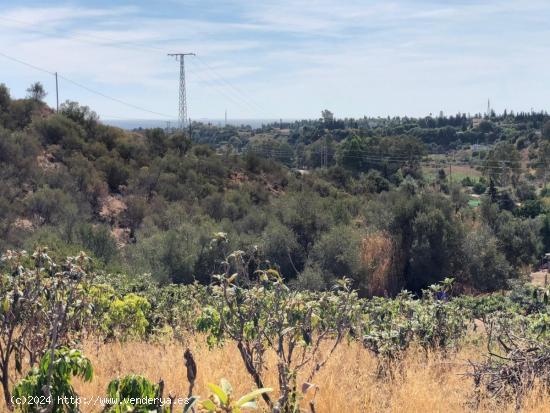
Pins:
x,y
540,278
347,383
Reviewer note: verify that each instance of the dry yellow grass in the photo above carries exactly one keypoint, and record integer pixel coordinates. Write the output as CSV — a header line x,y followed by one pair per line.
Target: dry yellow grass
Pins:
x,y
348,383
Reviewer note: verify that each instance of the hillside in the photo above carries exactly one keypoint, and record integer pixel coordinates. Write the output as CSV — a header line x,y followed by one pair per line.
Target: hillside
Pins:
x,y
287,247
370,199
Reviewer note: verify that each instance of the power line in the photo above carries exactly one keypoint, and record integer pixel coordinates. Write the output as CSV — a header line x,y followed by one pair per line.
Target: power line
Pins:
x,y
131,105
137,45
77,84
277,152
27,64
216,85
234,88
222,88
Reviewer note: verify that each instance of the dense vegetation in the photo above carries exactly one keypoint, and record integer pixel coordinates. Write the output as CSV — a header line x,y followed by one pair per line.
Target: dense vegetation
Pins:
x,y
287,240
149,201
49,307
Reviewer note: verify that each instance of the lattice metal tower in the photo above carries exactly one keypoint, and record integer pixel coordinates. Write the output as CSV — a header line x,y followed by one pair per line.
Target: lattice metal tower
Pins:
x,y
183,96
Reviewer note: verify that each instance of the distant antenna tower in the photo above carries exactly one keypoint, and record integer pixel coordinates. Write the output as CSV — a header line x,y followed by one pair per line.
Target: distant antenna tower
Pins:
x,y
183,97
225,117
488,108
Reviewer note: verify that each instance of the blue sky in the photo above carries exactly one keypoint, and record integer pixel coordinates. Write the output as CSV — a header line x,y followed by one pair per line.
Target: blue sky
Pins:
x,y
289,59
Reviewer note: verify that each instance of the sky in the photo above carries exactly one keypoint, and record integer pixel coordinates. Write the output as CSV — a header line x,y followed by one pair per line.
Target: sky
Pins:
x,y
281,59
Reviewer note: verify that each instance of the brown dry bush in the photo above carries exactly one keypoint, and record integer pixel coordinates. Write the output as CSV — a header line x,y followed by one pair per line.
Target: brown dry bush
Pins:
x,y
378,257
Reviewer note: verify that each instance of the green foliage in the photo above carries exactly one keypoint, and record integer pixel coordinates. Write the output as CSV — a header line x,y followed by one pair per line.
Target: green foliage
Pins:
x,y
481,307
386,328
311,278
546,129
545,233
269,312
517,239
49,384
123,393
526,191
479,188
61,130
177,306
36,92
360,154
5,98
337,255
437,324
503,164
79,114
176,255
44,305
517,355
120,318
485,267
390,327
66,179
98,240
262,193
115,171
530,209
280,247
430,237
307,215
222,399
49,205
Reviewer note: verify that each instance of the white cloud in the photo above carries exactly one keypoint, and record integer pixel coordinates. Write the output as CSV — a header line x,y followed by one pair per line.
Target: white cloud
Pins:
x,y
293,56
53,16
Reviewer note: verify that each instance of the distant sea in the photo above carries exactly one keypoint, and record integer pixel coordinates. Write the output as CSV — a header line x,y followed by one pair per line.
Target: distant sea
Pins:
x,y
154,123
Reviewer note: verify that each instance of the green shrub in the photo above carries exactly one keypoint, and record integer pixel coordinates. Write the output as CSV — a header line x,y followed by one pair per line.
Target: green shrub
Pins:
x,y
479,188
98,240
51,206
125,391
58,129
50,382
127,317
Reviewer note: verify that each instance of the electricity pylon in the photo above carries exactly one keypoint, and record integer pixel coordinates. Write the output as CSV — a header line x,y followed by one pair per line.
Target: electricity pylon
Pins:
x,y
183,97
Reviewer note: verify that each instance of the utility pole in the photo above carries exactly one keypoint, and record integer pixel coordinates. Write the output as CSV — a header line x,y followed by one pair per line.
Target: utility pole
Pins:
x,y
56,92
183,98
